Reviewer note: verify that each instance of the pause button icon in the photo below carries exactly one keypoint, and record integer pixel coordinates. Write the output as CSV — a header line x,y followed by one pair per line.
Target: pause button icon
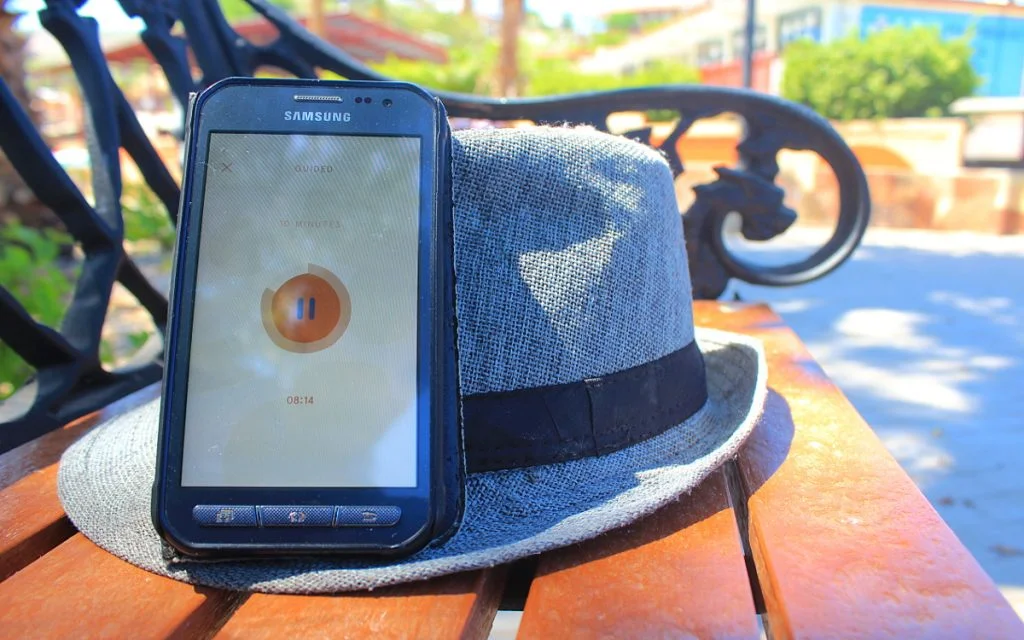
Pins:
x,y
300,308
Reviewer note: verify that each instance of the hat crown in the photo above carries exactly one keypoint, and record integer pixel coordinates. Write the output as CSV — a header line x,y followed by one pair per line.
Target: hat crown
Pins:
x,y
569,257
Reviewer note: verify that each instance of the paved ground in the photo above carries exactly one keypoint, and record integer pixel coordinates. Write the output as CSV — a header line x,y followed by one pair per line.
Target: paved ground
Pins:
x,y
924,331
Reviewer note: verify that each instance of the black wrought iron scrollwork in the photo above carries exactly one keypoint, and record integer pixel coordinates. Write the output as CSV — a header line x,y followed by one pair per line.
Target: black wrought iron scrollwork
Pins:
x,y
169,50
70,380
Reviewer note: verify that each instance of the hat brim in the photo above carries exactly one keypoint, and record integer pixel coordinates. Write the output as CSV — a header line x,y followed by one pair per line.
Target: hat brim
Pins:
x,y
105,483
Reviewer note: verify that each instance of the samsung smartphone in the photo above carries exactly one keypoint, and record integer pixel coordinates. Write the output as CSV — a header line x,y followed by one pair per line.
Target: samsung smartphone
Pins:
x,y
310,395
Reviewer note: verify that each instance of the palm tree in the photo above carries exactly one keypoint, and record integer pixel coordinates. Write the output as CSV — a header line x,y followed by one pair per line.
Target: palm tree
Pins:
x,y
508,70
316,17
16,200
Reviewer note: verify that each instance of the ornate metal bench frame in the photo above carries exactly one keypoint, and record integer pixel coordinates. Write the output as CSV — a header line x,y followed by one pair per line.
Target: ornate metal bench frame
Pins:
x,y
70,380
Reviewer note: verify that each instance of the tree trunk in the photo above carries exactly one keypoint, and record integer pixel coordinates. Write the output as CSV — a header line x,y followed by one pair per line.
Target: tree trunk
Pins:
x,y
16,200
508,72
316,18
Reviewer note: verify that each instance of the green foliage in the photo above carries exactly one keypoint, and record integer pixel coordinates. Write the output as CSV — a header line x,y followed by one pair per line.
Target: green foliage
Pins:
x,y
106,352
28,269
138,338
620,27
472,71
472,54
623,22
607,39
145,217
447,29
893,73
473,57
467,70
240,9
662,72
553,77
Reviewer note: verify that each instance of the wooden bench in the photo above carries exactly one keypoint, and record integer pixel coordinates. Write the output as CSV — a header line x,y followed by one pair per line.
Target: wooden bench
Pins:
x,y
814,528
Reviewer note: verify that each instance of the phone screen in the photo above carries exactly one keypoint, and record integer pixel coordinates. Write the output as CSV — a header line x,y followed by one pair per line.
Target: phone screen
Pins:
x,y
303,365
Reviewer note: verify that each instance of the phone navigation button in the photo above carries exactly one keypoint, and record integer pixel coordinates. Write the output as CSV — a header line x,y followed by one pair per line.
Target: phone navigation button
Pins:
x,y
367,516
219,515
296,516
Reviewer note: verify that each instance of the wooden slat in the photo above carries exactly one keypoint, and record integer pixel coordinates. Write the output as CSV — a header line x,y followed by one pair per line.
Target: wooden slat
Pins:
x,y
458,606
844,544
678,573
47,449
80,590
77,588
31,518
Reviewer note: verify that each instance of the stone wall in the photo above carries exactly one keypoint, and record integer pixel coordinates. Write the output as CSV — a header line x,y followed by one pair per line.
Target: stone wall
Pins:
x,y
913,168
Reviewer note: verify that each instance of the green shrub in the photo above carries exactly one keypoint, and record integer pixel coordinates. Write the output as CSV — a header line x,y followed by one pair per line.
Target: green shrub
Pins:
x,y
467,70
657,72
29,271
892,73
559,77
472,71
235,10
145,217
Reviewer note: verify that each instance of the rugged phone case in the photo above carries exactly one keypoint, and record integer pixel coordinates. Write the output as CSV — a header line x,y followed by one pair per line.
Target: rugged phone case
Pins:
x,y
449,465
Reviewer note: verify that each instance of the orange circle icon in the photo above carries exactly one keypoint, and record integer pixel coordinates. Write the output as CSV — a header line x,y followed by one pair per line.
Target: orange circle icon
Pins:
x,y
305,308
307,313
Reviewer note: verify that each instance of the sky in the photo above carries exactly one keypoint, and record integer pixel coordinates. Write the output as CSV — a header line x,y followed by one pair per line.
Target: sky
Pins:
x,y
112,18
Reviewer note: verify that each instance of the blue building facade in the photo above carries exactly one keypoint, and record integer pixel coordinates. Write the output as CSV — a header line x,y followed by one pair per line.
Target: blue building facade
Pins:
x,y
998,41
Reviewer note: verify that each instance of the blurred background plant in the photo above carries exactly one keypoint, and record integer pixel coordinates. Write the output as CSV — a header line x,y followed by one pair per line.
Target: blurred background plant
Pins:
x,y
469,71
145,218
240,9
38,267
897,72
546,62
30,268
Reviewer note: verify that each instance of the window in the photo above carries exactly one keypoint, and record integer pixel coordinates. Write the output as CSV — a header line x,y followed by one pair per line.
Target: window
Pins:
x,y
760,40
798,25
710,52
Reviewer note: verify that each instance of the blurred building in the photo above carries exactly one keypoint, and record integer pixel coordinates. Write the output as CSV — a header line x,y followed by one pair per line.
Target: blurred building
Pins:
x,y
709,34
651,12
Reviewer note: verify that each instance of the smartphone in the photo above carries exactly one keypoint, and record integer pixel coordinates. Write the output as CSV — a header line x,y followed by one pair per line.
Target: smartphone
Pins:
x,y
310,398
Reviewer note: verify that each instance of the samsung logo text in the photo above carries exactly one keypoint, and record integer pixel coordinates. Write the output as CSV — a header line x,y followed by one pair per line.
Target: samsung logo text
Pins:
x,y
318,116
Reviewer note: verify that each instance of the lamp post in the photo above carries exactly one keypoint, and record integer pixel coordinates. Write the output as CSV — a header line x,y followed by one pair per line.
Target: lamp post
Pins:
x,y
748,44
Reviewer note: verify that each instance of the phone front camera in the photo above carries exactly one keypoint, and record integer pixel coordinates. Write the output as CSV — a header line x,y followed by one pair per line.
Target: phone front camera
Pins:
x,y
387,102
367,100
